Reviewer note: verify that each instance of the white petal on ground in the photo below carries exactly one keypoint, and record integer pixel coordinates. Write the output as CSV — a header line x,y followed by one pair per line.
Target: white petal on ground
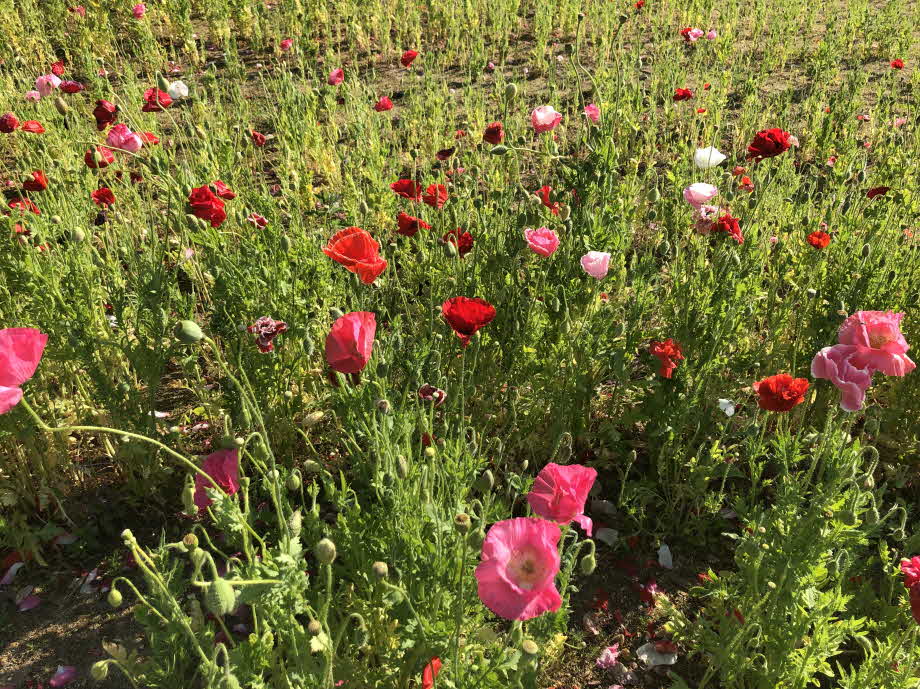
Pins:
x,y
649,655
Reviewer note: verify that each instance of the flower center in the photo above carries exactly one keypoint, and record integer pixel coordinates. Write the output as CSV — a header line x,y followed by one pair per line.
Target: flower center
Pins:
x,y
525,569
878,339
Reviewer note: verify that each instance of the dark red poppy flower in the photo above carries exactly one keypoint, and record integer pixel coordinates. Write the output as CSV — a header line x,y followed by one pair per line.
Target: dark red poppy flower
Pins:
x,y
408,57
222,190
257,138
150,138
459,134
22,204
409,224
461,239
266,330
136,178
429,393
57,68
780,392
355,249
71,86
730,226
383,104
39,182
33,127
8,123
98,157
444,153
819,239
435,196
103,197
639,4
897,63
156,100
407,189
682,94
877,191
543,194
768,143
466,316
494,133
668,353
105,113
207,206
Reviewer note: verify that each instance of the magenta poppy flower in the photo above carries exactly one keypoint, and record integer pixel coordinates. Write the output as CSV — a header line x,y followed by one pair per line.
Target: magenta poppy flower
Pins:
x,y
139,10
123,138
520,560
545,119
877,336
336,77
224,467
836,365
593,113
20,351
542,241
351,341
559,494
286,44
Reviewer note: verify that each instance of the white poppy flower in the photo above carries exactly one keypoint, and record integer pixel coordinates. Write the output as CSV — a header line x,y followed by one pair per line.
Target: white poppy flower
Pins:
x,y
705,158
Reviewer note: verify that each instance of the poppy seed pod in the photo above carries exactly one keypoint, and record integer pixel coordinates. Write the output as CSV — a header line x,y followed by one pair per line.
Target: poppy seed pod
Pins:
x,y
325,551
380,570
188,332
61,106
315,628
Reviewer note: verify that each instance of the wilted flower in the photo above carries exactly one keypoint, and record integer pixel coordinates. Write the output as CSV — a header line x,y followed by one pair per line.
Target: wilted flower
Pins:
x,y
258,138
98,157
596,264
836,365
682,94
727,407
266,330
20,351
461,239
8,123
430,393
32,96
545,119
38,182
222,190
494,133
155,100
543,194
103,197
706,158
105,114
691,35
207,206
897,63
730,225
711,35
609,657
408,189
71,86
408,225
286,44
32,127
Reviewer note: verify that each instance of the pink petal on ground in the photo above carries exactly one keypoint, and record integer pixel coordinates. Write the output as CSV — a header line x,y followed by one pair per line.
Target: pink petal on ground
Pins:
x,y
65,675
29,602
10,573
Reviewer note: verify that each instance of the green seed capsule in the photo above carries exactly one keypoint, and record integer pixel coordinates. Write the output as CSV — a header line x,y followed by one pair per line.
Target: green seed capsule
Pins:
x,y
325,551
498,150
100,670
336,313
511,91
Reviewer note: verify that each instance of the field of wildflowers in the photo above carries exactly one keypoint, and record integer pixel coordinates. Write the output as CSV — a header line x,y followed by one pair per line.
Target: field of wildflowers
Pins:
x,y
476,345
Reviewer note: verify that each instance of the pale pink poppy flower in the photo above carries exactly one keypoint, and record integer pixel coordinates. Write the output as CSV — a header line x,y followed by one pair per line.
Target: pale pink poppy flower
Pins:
x,y
794,140
711,35
20,351
123,138
774,240
545,119
699,193
33,96
139,10
877,336
520,560
490,66
224,467
899,122
596,264
542,241
286,44
836,365
336,76
559,494
593,113
693,35
46,83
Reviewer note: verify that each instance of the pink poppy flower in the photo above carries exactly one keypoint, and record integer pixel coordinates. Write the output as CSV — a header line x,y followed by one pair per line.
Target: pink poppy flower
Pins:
x,y
46,83
351,341
33,96
224,467
711,35
336,77
121,137
910,568
286,44
545,119
878,339
559,494
596,264
593,113
691,35
542,241
836,365
20,351
699,193
520,560
139,10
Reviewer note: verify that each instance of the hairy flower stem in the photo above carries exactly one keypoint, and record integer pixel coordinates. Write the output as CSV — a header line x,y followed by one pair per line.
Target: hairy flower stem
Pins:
x,y
458,615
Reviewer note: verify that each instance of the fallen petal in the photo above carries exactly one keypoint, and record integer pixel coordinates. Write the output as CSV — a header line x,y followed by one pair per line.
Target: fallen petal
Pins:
x,y
29,602
649,655
65,675
608,536
664,557
10,573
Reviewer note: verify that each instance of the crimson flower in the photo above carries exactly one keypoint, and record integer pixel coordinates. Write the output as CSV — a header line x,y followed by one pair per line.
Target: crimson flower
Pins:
x,y
444,153
435,196
768,144
222,190
461,239
543,194
877,191
257,139
494,133
266,330
780,392
33,127
730,226
819,239
8,123
57,68
682,94
668,353
105,113
897,63
408,57
72,86
98,157
466,316
206,206
156,100
429,393
383,104
409,225
39,182
407,189
103,196
355,249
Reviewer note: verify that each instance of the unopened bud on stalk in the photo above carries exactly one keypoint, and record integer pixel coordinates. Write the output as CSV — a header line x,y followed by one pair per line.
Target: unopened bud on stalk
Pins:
x,y
530,647
285,243
485,482
61,106
312,467
77,236
402,467
325,551
430,452
188,498
219,598
565,212
114,598
230,682
295,523
511,91
588,564
100,670
462,523
380,570
315,628
449,248
498,150
336,313
293,482
188,332
190,541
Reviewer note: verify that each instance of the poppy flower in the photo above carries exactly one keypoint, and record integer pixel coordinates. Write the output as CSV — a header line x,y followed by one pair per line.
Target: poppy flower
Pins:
x,y
336,77
355,249
150,138
8,123
39,182
266,330
461,239
98,157
123,138
838,365
222,190
768,144
20,351
668,353
682,94
545,119
435,196
444,153
350,342
780,392
879,341
494,133
257,220
699,193
430,673
224,467
877,191
691,35
819,239
592,112
730,226
206,206
257,139
408,225
596,264
542,241
105,114
639,4
408,57
559,493
72,86
79,10
383,104
22,204
897,63
745,184
429,393
155,100
33,127
466,316
103,197
407,189
46,83
286,44
139,10
543,194
57,68
910,568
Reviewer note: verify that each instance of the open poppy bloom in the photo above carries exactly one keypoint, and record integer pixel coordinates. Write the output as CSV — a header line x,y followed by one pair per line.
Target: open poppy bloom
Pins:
x,y
668,353
682,94
542,241
205,205
819,239
780,392
123,138
22,204
543,194
20,351
430,673
266,330
730,226
520,560
408,225
836,365
155,100
8,123
33,127
350,342
408,189
355,249
408,57
768,144
224,467
383,104
435,196
880,344
222,190
336,77
429,393
103,196
545,119
39,182
559,494
98,157
494,134
466,316
105,114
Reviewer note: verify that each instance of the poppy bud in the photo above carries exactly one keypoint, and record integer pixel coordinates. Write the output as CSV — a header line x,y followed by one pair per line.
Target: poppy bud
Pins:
x,y
380,570
565,213
77,236
285,243
861,175
363,207
219,598
654,196
624,18
61,106
188,332
100,670
383,406
190,541
188,498
462,523
325,551
315,628
293,482
295,523
450,249
162,84
530,647
311,467
114,598
402,467
511,91
866,250
430,452
498,150
485,482
812,293
588,564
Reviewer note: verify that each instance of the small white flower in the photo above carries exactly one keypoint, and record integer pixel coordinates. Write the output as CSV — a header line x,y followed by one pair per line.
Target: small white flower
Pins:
x,y
177,90
727,406
705,158
113,321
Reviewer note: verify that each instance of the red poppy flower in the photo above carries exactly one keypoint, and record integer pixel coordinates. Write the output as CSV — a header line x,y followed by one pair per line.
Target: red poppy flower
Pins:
x,y
22,204
207,206
407,189
494,133
429,393
103,197
461,239
701,110
57,68
408,57
639,4
738,170
355,249
257,138
39,182
409,225
819,239
33,127
746,184
768,143
156,100
730,226
136,178
682,94
780,392
897,63
707,86
459,134
877,191
79,9
105,113
465,316
266,330
71,86
668,353
543,194
430,673
383,104
222,190
435,196
98,157
8,123
444,153
150,138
